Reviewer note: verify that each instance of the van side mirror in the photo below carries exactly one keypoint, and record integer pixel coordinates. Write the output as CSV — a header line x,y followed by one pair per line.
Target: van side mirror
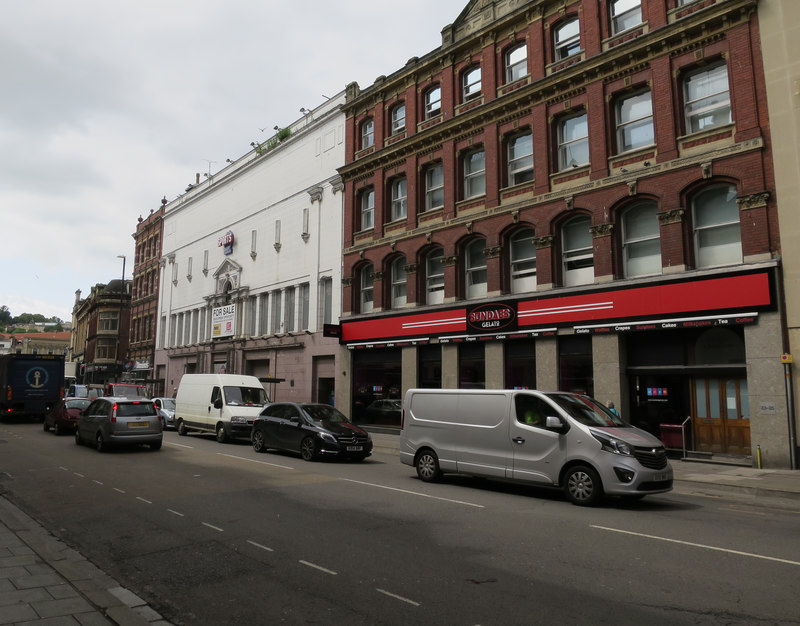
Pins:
x,y
218,403
556,424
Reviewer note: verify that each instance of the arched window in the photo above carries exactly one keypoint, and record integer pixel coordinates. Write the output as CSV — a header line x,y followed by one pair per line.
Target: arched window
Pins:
x,y
516,63
366,280
567,39
399,280
522,253
641,241
433,102
475,269
367,133
399,118
577,252
471,83
434,276
717,234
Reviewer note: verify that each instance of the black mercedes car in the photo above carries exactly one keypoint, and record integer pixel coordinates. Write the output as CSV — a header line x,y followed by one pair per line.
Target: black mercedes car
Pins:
x,y
313,430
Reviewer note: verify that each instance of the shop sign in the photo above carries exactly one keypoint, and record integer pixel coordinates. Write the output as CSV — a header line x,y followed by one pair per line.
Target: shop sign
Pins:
x,y
144,364
223,321
226,242
695,322
492,318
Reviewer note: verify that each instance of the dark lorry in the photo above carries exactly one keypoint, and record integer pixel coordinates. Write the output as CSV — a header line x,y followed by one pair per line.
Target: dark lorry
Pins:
x,y
30,384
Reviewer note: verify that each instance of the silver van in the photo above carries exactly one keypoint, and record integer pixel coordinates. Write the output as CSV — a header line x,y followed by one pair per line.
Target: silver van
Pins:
x,y
556,439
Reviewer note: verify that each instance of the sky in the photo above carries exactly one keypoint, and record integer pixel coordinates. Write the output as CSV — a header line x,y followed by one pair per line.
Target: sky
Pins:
x,y
107,106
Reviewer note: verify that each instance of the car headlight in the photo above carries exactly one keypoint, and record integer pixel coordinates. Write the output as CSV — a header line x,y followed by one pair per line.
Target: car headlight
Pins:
x,y
612,444
327,437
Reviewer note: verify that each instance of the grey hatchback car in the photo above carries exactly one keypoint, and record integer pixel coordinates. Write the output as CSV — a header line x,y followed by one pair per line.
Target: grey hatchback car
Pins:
x,y
114,421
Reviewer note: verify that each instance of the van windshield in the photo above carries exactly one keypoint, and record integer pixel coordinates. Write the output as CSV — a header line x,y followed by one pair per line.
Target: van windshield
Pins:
x,y
245,396
586,410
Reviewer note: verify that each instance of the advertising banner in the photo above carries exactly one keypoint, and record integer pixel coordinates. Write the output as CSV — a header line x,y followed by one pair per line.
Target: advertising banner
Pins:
x,y
223,321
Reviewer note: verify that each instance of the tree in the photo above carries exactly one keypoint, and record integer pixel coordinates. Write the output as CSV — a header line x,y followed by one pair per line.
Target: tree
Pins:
x,y
5,316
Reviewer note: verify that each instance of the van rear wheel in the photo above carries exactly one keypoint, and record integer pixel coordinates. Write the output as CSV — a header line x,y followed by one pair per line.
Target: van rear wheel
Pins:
x,y
582,485
427,465
182,430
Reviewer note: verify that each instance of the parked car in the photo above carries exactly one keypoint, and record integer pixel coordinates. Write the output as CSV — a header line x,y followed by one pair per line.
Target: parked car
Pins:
x,y
113,421
64,415
166,408
313,430
126,390
85,391
384,412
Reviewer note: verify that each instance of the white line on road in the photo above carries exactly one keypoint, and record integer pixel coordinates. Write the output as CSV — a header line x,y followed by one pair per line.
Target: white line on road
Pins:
x,y
97,482
176,513
241,458
178,445
79,475
258,545
117,489
214,527
320,568
698,545
414,493
143,500
394,595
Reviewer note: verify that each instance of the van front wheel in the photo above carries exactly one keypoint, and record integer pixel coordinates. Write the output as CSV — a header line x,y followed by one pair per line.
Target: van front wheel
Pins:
x,y
427,465
582,485
221,436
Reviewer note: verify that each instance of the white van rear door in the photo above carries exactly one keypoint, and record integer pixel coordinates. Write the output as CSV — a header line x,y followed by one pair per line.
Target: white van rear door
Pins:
x,y
537,453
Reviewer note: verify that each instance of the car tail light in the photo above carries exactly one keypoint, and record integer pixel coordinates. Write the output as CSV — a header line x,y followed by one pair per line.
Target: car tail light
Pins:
x,y
114,413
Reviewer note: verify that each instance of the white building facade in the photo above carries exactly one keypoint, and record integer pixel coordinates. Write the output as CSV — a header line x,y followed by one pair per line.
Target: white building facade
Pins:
x,y
251,265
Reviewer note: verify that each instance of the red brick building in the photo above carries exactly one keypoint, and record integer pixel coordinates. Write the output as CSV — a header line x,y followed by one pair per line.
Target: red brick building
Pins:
x,y
574,195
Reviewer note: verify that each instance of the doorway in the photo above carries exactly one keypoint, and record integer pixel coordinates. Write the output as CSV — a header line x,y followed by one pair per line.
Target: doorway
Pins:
x,y
721,412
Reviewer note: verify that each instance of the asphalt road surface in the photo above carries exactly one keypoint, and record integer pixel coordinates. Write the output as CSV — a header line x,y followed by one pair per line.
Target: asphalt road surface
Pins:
x,y
214,533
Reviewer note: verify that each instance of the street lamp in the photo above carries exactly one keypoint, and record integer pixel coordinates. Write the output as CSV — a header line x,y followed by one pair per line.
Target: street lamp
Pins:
x,y
119,319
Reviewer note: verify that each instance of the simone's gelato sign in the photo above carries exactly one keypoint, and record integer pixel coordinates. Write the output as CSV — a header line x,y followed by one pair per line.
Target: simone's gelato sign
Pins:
x,y
492,317
223,321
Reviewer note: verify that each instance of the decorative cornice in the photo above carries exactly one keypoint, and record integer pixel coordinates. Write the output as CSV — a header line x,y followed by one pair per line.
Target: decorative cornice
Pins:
x,y
315,193
411,268
493,252
753,201
672,216
601,230
546,241
449,261
347,282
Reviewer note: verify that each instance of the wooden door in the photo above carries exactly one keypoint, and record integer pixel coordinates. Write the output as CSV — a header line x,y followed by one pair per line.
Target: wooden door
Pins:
x,y
721,415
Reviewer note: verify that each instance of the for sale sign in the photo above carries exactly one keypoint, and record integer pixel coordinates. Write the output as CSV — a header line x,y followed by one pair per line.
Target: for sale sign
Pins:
x,y
223,321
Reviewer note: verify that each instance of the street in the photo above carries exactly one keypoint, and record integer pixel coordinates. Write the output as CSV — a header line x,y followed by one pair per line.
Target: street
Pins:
x,y
214,533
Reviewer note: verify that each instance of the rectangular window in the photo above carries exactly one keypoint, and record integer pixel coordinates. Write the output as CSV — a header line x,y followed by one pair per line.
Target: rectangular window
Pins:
x,y
189,268
573,142
471,366
108,321
263,314
252,315
277,233
434,187
474,174
326,300
305,221
398,119
277,326
433,102
567,39
367,289
625,14
472,83
106,349
516,63
635,122
205,261
707,99
304,306
367,134
367,209
288,309
253,241
399,193
434,277
520,159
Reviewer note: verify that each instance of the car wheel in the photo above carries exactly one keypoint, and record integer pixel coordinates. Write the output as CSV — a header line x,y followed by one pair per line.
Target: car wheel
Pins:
x,y
78,440
308,449
427,465
45,427
582,485
156,445
56,429
182,430
99,443
259,445
221,436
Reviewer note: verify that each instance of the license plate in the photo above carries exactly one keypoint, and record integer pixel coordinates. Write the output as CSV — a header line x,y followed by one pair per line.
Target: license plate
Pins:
x,y
660,476
355,448
138,424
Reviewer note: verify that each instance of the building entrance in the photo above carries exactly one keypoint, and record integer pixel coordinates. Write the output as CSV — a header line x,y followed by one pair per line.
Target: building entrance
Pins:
x,y
721,415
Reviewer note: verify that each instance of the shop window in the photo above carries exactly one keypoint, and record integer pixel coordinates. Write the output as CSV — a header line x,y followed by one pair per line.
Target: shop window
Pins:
x,y
399,281
398,118
625,14
399,198
520,364
641,240
471,83
475,269
471,366
567,39
366,281
573,142
367,133
523,261
634,122
434,277
430,366
434,187
474,174
577,252
707,101
367,202
376,375
433,102
520,159
575,364
516,62
717,234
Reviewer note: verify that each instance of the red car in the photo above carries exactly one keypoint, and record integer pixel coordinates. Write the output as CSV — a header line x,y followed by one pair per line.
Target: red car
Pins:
x,y
64,415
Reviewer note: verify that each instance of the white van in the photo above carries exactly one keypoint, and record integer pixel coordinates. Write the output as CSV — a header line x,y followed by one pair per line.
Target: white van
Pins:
x,y
224,404
556,439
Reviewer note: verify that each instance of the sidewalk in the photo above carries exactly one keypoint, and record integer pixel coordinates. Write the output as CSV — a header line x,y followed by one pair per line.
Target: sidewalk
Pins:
x,y
44,581
692,476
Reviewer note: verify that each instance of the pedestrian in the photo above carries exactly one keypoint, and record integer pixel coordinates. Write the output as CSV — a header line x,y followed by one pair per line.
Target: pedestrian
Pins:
x,y
610,405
